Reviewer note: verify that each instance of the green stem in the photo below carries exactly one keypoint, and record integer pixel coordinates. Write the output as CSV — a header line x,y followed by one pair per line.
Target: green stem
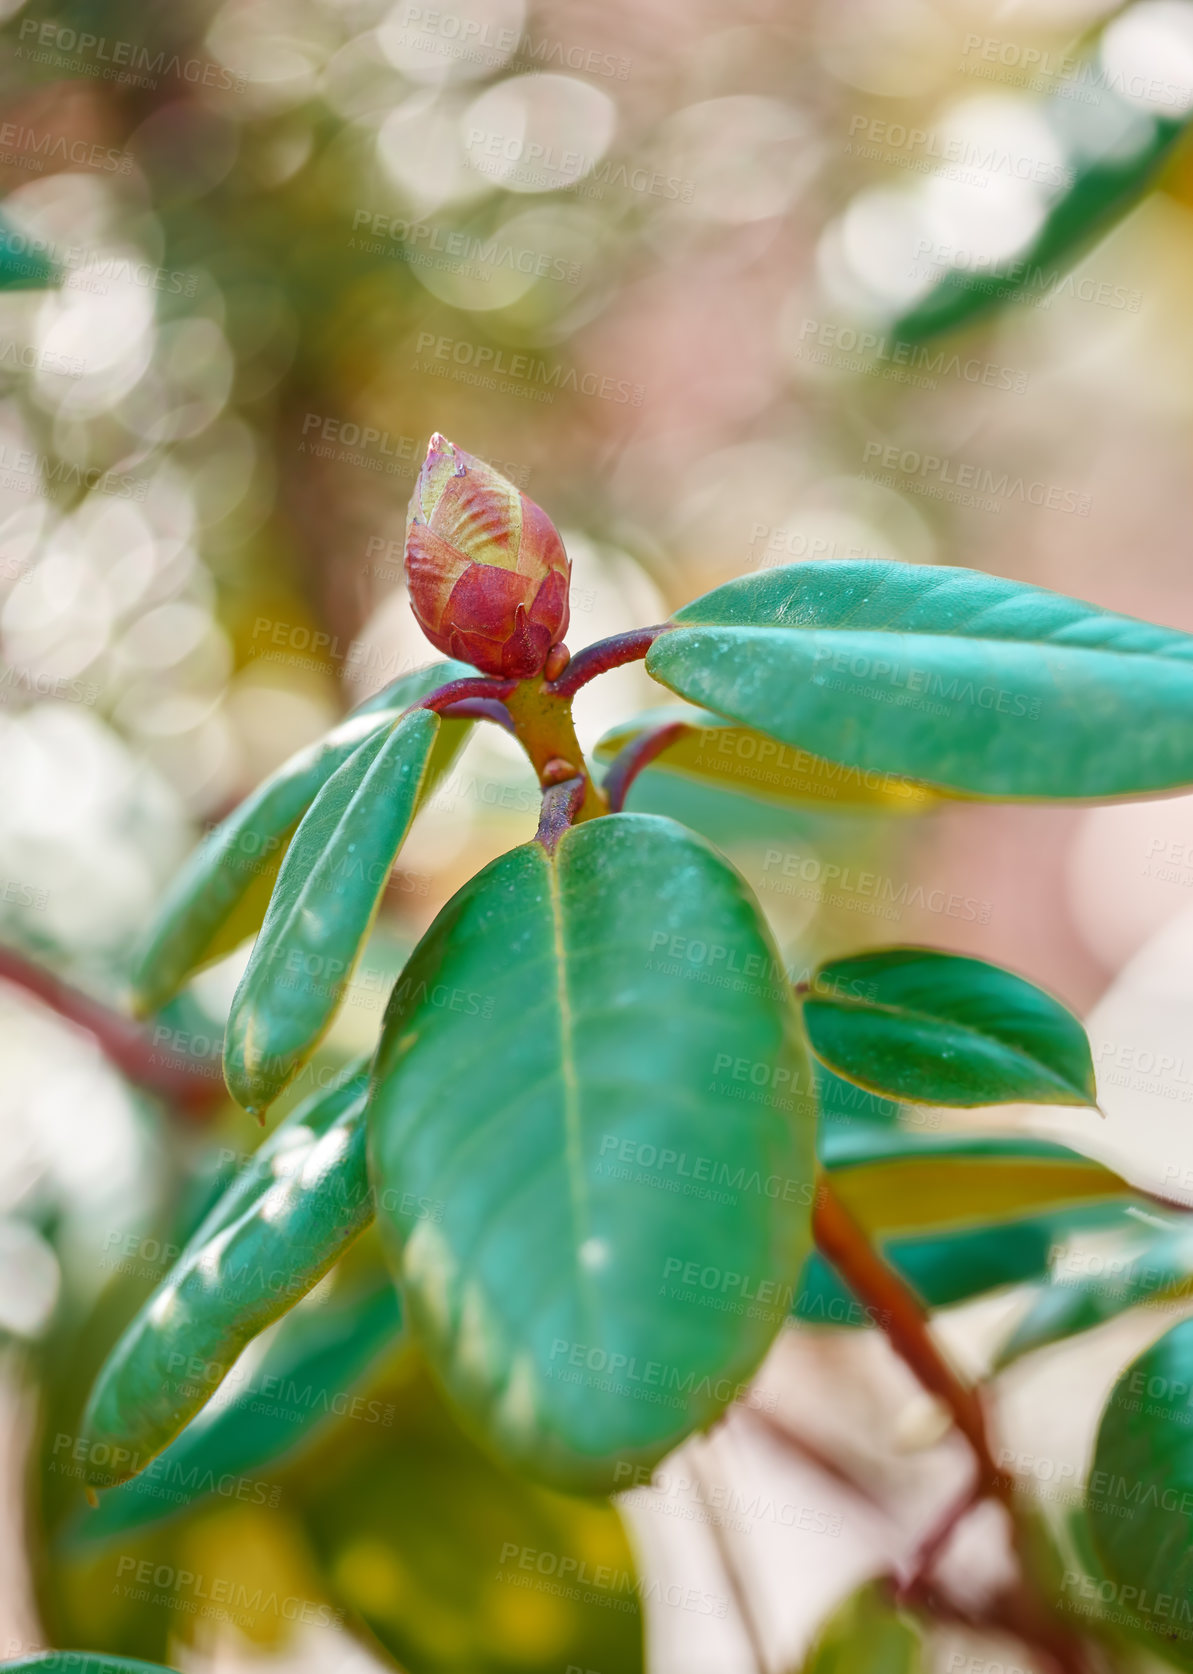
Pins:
x,y
544,727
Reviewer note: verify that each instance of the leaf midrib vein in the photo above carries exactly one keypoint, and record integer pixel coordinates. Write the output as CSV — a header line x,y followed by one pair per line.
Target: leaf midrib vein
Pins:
x,y
573,1145
847,1003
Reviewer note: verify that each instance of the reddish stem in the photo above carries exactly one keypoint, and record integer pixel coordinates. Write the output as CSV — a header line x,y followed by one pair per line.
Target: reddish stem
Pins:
x,y
561,804
604,655
126,1045
639,753
457,691
1019,1610
905,1322
479,709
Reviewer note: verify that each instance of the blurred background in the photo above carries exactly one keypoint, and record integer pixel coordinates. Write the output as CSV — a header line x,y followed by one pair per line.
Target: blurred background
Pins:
x,y
649,260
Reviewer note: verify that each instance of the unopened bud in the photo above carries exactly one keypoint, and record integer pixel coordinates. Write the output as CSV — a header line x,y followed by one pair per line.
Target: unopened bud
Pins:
x,y
487,571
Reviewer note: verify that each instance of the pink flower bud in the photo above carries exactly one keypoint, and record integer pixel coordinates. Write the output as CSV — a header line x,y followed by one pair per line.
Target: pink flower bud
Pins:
x,y
487,571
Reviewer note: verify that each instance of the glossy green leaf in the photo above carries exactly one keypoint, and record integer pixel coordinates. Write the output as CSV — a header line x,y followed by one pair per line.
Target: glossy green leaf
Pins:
x,y
219,897
1151,1270
271,1237
943,675
711,750
867,1634
326,897
958,1215
558,1072
455,1565
937,1028
897,1182
1132,144
306,1379
84,1662
1139,1494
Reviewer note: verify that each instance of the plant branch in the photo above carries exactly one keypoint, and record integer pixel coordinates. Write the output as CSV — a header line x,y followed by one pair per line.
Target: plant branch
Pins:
x,y
457,691
479,709
544,727
1011,1613
130,1048
604,655
638,753
561,804
905,1321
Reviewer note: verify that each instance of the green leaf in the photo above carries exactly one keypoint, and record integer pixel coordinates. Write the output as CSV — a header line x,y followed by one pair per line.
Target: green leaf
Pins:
x,y
867,1635
326,897
943,675
938,1028
1151,1270
711,750
459,1566
1103,187
558,1072
219,897
956,1214
305,1379
271,1237
84,1662
897,1182
1139,1495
